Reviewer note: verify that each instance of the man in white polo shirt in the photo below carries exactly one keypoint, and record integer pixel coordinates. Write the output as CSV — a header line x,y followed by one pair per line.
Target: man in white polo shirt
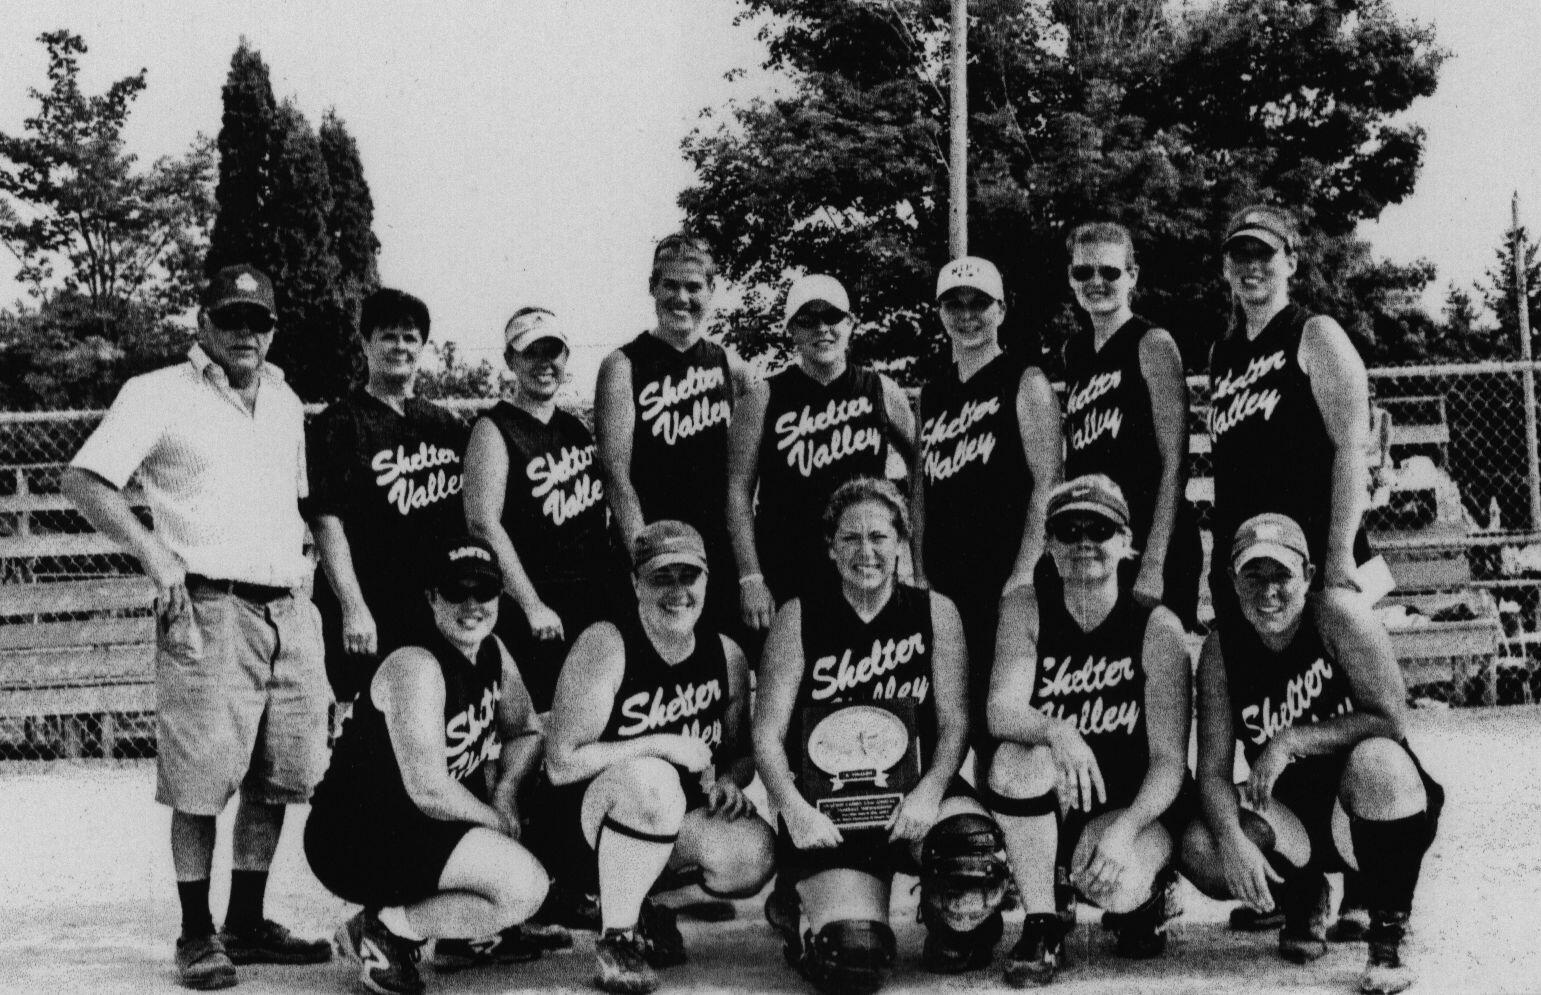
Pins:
x,y
241,694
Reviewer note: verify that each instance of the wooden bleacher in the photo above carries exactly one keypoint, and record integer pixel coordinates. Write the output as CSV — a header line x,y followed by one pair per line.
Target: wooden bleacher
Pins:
x,y
77,646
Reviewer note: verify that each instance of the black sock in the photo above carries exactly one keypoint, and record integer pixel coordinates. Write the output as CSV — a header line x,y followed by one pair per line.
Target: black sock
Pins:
x,y
1390,856
194,896
246,894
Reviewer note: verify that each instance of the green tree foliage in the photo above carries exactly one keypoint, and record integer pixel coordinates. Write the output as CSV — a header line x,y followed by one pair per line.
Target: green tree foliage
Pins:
x,y
448,376
351,222
108,249
1497,292
1163,118
296,204
248,135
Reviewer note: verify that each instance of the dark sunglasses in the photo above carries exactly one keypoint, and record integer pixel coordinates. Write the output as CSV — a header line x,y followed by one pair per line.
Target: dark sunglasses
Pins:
x,y
1081,274
1250,251
474,590
1072,530
811,318
236,319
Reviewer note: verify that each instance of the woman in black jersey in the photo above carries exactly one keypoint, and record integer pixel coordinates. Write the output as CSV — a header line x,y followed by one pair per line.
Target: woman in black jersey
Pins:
x,y
989,453
1126,416
1090,699
534,493
1307,684
1289,409
648,760
385,480
416,818
796,437
661,410
827,660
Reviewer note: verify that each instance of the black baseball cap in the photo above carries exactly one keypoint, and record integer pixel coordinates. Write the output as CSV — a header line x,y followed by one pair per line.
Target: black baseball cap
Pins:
x,y
239,284
464,561
1092,493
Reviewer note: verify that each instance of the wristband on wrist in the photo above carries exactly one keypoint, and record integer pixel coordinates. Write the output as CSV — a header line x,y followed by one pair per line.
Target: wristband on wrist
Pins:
x,y
748,578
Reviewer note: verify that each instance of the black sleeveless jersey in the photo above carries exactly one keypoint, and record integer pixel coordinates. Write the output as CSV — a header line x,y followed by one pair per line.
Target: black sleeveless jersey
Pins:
x,y
1271,450
554,504
1271,691
849,661
976,480
364,777
682,402
689,698
816,437
1109,427
1096,680
394,480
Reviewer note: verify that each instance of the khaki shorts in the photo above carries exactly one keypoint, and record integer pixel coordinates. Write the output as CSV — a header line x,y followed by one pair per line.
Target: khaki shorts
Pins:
x,y
241,702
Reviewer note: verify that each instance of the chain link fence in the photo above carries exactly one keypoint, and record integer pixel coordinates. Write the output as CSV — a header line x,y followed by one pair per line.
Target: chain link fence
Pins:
x,y
1455,510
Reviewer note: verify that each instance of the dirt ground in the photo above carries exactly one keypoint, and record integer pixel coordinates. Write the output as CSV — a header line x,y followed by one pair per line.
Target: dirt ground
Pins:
x,y
87,903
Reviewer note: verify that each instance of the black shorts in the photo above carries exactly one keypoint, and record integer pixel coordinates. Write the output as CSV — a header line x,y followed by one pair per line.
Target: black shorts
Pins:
x,y
579,603
1309,788
867,850
375,860
553,826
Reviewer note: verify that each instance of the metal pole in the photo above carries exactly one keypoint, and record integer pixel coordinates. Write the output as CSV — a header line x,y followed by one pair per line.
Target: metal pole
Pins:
x,y
957,202
1522,312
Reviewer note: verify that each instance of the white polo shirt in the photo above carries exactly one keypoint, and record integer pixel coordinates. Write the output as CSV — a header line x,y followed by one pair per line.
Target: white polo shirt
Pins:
x,y
223,483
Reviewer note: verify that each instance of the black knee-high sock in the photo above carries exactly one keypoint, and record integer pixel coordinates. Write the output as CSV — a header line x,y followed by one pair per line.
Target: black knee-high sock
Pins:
x,y
1390,857
194,896
247,889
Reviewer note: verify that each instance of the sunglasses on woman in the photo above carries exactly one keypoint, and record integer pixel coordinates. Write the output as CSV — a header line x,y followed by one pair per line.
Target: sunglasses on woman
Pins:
x,y
462,591
1072,530
1111,274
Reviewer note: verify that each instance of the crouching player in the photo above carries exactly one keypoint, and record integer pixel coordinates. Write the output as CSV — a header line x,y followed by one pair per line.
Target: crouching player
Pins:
x,y
1308,685
827,662
648,760
1090,699
407,821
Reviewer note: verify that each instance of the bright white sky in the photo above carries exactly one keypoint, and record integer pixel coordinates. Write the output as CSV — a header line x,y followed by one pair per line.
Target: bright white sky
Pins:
x,y
529,151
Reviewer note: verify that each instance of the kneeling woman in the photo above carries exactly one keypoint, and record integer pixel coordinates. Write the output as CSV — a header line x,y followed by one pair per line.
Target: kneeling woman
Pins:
x,y
1308,685
1090,698
850,687
409,821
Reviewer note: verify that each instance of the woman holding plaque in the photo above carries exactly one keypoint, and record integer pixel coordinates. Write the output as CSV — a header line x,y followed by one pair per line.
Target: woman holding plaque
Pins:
x,y
860,728
1090,699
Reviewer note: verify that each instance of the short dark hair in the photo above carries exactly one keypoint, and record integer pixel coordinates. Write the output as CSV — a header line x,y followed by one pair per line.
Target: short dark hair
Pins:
x,y
389,308
1102,233
683,246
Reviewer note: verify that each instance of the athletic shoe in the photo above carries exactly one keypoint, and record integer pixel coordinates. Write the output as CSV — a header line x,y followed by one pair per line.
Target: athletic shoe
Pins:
x,y
510,946
947,951
1245,919
1351,926
1039,953
547,935
270,943
662,943
1140,934
623,963
570,907
387,962
1305,900
783,910
203,964
1384,972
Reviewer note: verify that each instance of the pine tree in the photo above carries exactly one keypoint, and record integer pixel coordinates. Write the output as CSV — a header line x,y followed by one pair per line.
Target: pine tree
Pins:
x,y
248,136
353,211
314,343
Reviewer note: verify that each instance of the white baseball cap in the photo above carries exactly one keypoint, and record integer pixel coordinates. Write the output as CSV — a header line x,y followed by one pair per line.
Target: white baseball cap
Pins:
x,y
970,271
816,288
